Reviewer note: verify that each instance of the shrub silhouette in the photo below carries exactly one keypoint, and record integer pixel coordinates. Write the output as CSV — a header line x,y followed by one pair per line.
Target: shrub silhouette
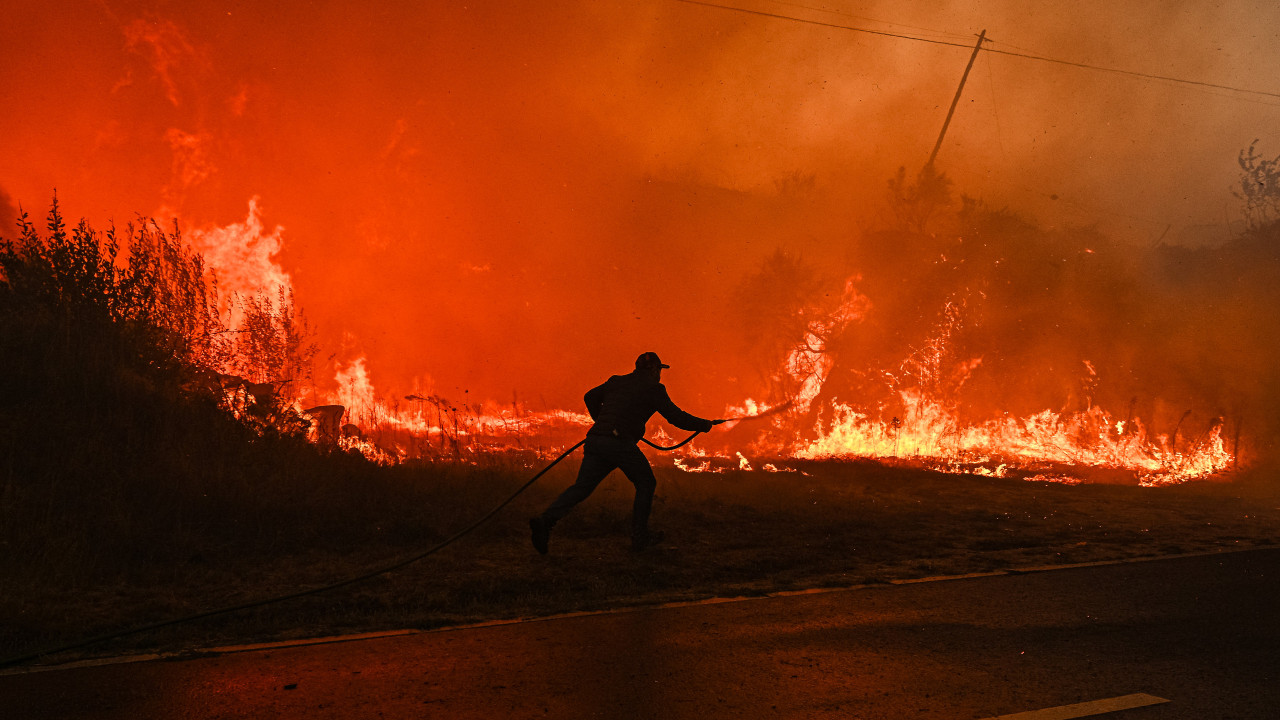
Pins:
x,y
99,320
86,324
117,452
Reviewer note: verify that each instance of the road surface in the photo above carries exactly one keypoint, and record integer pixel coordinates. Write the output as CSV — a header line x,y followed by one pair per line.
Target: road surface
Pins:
x,y
1199,632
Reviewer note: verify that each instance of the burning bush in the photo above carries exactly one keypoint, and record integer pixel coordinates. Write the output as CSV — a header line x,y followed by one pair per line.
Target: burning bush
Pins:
x,y
114,354
83,323
125,439
98,321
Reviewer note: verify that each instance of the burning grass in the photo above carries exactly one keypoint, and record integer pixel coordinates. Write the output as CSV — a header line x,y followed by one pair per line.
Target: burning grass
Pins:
x,y
822,523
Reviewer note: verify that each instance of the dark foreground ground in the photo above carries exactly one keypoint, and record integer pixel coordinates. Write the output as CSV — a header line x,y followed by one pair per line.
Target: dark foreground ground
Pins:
x,y
1199,632
731,534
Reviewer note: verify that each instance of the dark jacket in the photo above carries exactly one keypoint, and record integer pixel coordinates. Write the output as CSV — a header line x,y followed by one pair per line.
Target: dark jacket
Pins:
x,y
624,403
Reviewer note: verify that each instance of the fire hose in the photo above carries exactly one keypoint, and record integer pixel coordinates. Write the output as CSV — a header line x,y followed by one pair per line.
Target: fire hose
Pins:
x,y
349,581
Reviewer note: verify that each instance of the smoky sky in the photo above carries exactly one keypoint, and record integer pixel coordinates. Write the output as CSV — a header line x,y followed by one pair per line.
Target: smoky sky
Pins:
x,y
519,198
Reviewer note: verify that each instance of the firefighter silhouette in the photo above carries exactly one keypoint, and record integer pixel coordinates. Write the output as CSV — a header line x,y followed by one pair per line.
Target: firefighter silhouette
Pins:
x,y
620,408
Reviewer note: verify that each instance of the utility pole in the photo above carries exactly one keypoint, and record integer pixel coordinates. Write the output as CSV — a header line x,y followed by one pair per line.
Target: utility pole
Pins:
x,y
982,36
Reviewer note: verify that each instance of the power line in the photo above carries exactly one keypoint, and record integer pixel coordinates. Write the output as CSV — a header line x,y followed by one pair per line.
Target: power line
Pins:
x,y
933,31
1027,56
826,24
1135,73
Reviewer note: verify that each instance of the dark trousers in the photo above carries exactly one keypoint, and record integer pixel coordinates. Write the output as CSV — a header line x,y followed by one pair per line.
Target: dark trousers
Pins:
x,y
602,454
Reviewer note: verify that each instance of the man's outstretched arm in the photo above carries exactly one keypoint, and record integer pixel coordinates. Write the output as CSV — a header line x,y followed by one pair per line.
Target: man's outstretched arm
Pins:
x,y
680,418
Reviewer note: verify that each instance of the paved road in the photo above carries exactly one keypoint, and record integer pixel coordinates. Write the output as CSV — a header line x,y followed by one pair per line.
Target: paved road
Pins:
x,y
1200,632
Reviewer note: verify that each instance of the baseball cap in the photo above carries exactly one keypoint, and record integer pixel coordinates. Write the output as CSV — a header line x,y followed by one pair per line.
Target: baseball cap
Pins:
x,y
649,359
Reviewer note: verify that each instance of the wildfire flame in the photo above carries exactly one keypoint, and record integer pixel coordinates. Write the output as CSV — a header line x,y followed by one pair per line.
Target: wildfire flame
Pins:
x,y
926,431
929,432
1046,446
933,435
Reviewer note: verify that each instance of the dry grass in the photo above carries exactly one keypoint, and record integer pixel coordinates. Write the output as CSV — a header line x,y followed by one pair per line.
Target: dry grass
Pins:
x,y
731,534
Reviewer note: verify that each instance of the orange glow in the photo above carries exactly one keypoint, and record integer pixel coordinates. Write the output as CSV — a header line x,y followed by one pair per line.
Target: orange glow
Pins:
x,y
485,208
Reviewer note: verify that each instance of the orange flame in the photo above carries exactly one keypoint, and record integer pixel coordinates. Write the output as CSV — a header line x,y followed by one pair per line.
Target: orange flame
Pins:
x,y
931,434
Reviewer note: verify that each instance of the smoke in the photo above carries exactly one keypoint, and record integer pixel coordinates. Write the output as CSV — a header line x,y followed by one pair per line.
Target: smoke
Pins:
x,y
166,48
191,163
8,216
524,198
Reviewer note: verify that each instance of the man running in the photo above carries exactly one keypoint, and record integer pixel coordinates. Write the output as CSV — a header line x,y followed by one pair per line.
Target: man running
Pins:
x,y
620,408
